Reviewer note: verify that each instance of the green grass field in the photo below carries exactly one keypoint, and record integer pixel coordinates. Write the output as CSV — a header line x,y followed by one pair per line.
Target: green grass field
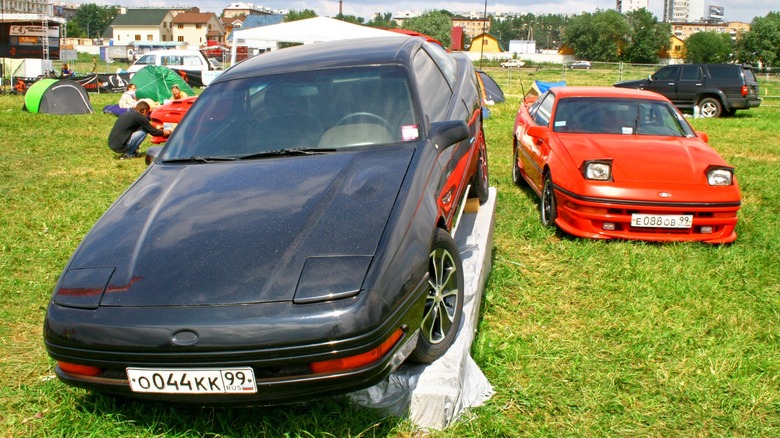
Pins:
x,y
578,337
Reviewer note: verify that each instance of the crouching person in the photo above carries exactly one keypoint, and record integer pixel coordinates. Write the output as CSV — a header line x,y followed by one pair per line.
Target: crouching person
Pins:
x,y
131,129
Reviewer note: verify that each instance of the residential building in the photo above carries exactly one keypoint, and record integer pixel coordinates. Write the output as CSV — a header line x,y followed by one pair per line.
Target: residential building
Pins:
x,y
141,25
485,43
241,9
197,28
684,11
472,26
40,7
676,52
624,6
65,10
683,30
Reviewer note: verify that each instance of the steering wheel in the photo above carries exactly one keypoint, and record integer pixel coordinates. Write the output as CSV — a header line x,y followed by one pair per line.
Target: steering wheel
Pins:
x,y
372,116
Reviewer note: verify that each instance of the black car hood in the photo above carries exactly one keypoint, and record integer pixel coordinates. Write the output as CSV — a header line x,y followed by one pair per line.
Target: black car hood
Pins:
x,y
638,84
240,232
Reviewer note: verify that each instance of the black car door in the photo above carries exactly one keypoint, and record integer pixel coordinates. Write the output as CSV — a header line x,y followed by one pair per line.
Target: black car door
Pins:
x,y
690,83
664,82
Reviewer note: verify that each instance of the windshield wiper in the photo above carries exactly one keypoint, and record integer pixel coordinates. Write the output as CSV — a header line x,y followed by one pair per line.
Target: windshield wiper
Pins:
x,y
197,159
292,151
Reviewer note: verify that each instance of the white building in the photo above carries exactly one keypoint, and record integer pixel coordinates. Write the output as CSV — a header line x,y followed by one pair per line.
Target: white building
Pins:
x,y
684,11
624,6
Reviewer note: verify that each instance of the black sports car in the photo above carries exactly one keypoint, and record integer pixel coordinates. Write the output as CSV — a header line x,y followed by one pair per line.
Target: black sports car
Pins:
x,y
292,238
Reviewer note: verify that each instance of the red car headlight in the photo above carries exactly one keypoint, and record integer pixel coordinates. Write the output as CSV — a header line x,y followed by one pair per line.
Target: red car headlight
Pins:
x,y
720,176
598,170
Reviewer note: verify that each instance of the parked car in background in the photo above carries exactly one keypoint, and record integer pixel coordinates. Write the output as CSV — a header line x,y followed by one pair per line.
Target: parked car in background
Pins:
x,y
611,163
716,89
577,65
169,115
179,59
293,238
513,63
216,64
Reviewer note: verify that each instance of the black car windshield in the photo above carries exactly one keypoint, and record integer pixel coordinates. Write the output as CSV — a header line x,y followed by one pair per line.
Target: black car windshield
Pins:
x,y
596,115
311,110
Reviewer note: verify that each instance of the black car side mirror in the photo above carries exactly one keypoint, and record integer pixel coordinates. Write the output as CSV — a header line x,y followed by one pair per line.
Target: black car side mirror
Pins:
x,y
446,134
151,154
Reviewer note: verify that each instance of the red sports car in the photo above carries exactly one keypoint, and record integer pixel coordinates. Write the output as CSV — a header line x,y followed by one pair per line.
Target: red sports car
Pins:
x,y
617,163
169,115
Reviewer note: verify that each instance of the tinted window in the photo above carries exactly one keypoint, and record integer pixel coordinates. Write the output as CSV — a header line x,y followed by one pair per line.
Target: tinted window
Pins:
x,y
436,91
445,61
666,73
723,71
325,109
749,76
619,116
691,73
542,113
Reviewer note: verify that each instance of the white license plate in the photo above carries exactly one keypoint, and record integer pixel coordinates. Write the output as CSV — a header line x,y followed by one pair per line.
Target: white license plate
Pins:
x,y
168,126
662,220
192,381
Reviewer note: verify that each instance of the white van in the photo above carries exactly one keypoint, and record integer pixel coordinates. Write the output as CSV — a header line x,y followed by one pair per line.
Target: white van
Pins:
x,y
191,60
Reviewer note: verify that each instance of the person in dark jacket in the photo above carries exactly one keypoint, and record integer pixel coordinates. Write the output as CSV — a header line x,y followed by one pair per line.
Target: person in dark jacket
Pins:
x,y
131,129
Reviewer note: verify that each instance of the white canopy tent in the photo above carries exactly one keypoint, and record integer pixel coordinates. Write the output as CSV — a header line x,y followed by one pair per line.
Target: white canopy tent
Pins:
x,y
308,31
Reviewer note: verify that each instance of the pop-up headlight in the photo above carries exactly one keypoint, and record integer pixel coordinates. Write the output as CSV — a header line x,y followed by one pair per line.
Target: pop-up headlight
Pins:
x,y
330,278
598,170
720,176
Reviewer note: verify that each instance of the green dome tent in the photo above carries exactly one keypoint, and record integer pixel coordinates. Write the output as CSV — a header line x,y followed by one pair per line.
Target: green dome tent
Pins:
x,y
155,82
57,96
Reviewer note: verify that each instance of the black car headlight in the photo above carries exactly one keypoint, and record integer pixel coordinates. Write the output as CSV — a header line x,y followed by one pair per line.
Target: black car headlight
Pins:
x,y
720,176
330,278
82,288
598,170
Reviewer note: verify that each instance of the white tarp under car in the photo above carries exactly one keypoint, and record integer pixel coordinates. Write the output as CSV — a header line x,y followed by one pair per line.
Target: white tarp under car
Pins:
x,y
436,395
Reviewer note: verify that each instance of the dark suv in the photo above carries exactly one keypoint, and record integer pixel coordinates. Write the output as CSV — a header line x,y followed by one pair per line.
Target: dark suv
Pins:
x,y
717,89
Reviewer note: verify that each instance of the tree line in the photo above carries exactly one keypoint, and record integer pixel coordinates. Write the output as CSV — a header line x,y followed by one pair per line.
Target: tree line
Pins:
x,y
604,35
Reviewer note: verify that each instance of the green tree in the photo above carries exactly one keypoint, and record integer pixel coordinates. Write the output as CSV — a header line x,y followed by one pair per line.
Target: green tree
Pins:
x,y
350,19
384,20
91,20
709,47
647,37
760,43
435,24
600,36
294,15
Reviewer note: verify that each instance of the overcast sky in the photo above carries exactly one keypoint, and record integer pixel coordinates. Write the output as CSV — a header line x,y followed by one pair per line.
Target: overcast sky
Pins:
x,y
735,10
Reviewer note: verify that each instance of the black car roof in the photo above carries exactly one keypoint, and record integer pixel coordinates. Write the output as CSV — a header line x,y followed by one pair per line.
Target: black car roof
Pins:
x,y
366,51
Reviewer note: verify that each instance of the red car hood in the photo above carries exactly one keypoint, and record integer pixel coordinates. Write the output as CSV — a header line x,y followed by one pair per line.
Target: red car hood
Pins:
x,y
647,159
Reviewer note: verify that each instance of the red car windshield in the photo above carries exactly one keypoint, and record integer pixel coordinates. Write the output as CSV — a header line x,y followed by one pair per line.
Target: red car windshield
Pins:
x,y
595,115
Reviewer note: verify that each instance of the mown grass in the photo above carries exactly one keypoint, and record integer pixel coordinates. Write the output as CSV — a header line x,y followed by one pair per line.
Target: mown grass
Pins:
x,y
578,337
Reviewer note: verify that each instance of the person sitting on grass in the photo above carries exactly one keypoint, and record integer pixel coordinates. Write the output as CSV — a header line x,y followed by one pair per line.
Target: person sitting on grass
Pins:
x,y
131,129
66,72
128,100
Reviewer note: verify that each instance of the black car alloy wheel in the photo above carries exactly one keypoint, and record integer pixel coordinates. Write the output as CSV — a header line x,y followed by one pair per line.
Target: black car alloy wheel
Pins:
x,y
549,206
444,301
481,177
517,177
